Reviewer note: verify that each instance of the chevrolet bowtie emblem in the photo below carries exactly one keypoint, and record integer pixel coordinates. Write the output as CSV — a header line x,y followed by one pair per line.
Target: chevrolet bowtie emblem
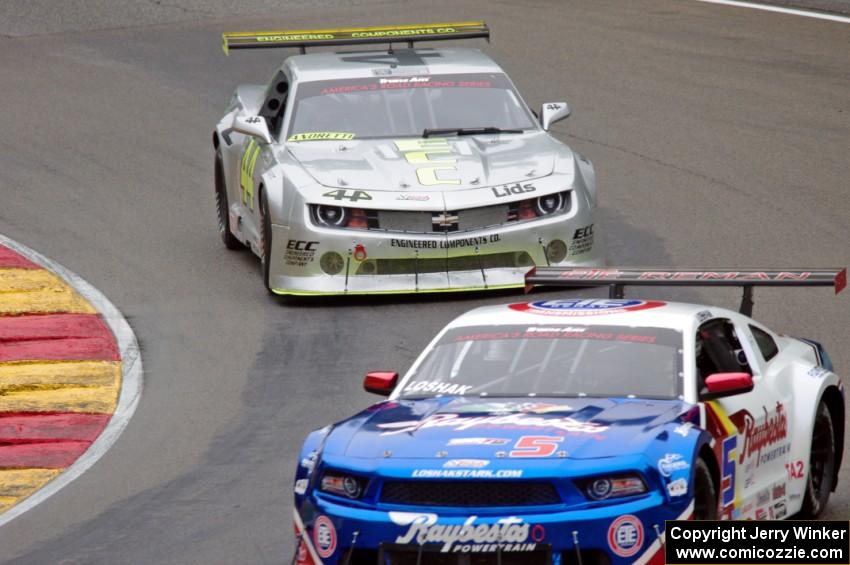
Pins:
x,y
444,219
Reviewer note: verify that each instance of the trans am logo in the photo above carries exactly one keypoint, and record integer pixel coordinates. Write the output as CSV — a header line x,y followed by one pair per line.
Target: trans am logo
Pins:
x,y
588,307
457,422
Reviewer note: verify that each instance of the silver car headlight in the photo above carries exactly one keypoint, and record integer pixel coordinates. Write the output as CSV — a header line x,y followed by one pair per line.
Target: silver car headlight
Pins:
x,y
549,204
331,216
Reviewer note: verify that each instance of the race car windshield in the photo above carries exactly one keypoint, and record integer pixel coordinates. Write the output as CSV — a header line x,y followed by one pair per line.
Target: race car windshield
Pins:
x,y
404,106
556,361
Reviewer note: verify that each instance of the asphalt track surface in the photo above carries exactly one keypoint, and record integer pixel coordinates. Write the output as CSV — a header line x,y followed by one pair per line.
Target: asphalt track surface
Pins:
x,y
719,137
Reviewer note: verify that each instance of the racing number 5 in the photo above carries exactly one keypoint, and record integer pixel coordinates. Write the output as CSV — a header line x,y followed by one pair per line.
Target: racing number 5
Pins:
x,y
536,446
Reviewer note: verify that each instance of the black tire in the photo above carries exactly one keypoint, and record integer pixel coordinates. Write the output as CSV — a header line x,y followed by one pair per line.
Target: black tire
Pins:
x,y
821,465
222,206
705,492
266,241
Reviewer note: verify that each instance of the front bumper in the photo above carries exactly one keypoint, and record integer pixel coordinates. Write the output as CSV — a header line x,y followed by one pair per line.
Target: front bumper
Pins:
x,y
376,262
632,532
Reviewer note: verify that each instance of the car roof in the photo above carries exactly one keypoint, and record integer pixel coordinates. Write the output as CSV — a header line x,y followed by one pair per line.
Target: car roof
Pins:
x,y
593,311
358,64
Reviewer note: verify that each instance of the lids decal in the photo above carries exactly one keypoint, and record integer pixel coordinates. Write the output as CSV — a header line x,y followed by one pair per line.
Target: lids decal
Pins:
x,y
585,307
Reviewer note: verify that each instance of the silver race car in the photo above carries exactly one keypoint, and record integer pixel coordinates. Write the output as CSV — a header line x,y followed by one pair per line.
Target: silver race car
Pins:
x,y
397,170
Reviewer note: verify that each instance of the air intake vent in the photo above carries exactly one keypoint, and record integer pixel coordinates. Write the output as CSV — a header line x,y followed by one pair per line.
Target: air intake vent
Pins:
x,y
469,493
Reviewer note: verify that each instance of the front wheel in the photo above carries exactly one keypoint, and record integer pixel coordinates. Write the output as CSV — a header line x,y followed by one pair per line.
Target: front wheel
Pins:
x,y
222,206
705,493
821,465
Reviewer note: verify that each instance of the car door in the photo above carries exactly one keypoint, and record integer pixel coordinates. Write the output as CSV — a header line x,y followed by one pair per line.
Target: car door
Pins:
x,y
247,171
754,451
256,155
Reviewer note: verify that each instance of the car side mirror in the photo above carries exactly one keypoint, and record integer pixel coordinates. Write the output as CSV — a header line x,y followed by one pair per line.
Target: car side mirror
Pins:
x,y
255,126
727,384
380,382
552,112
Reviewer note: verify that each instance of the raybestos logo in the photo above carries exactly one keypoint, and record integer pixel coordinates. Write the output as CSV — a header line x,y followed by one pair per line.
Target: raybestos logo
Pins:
x,y
584,307
507,534
772,430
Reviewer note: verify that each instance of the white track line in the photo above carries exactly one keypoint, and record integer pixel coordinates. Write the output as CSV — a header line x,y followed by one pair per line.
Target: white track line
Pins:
x,y
131,382
791,11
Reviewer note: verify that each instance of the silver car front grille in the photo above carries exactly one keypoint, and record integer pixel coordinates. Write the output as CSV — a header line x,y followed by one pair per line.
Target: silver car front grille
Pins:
x,y
409,222
439,222
479,218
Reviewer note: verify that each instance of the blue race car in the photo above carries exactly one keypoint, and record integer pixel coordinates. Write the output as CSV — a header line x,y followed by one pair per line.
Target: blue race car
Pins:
x,y
568,431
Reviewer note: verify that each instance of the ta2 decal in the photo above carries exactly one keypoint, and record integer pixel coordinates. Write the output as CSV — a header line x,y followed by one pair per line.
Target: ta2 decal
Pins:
x,y
796,470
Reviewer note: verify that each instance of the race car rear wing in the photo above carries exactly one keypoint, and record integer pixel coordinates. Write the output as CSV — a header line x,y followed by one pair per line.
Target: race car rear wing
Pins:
x,y
616,278
353,36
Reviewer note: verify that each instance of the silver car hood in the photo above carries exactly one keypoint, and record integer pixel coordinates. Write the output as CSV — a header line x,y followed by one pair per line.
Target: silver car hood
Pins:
x,y
479,161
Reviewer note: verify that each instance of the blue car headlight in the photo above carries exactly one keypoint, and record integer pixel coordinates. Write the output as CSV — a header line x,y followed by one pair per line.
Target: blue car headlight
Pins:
x,y
603,488
341,484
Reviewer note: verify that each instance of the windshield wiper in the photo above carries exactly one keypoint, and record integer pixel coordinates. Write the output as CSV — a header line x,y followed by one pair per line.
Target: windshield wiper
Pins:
x,y
428,132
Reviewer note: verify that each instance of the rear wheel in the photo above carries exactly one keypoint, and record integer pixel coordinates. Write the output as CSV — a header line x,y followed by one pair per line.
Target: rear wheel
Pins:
x,y
821,464
266,240
705,493
222,206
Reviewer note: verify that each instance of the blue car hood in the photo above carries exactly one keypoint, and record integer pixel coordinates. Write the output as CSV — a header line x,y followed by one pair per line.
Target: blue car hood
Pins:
x,y
489,428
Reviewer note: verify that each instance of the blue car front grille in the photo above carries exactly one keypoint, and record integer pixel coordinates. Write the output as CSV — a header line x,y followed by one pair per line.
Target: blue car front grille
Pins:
x,y
469,493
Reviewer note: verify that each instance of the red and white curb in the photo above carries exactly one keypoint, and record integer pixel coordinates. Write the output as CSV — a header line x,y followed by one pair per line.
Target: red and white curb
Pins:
x,y
129,395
